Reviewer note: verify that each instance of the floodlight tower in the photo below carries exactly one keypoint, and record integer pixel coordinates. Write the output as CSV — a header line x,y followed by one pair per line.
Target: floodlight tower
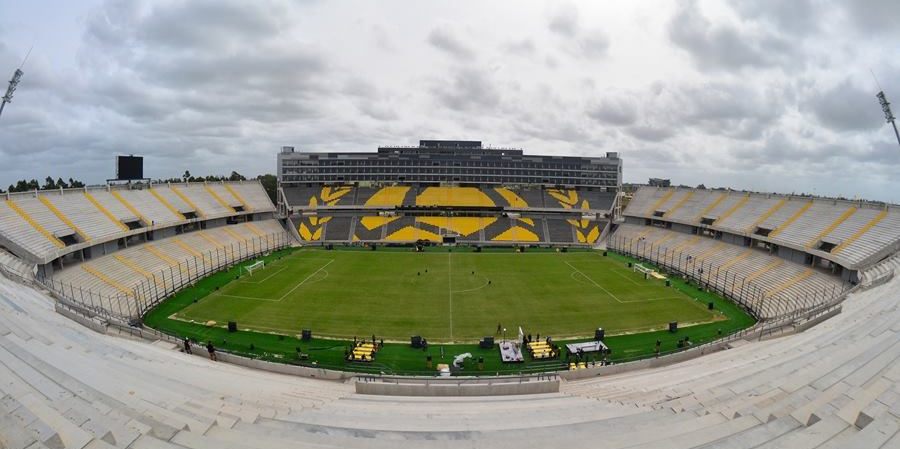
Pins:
x,y
888,115
17,75
14,82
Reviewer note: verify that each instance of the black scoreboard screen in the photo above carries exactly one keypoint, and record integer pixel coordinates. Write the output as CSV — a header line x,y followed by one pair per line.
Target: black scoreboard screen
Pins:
x,y
129,168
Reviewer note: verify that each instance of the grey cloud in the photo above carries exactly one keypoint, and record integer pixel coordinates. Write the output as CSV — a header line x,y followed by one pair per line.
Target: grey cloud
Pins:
x,y
213,87
564,21
873,16
445,40
614,111
468,90
798,17
548,126
594,45
524,47
589,44
382,38
650,133
735,110
212,23
846,107
378,111
724,47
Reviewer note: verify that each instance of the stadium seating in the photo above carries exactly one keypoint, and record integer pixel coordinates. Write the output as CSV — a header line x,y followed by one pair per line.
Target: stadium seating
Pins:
x,y
853,234
491,227
119,273
510,197
42,226
770,284
63,385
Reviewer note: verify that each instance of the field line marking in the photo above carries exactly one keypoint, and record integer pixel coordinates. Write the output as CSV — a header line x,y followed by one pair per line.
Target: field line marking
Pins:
x,y
593,282
247,297
476,288
265,278
575,278
615,270
304,280
450,291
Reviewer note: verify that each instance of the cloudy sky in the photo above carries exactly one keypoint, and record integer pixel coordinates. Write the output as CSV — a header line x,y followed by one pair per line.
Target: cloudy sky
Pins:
x,y
770,95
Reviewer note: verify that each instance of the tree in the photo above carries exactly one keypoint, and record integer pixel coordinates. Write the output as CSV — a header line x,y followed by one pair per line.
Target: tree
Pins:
x,y
270,185
187,175
235,176
49,184
21,186
61,184
73,183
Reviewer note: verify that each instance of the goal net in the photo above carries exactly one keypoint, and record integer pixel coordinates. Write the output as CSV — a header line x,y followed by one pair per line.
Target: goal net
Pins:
x,y
253,267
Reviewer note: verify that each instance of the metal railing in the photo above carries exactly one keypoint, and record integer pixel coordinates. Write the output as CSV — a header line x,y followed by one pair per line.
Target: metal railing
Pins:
x,y
133,304
751,295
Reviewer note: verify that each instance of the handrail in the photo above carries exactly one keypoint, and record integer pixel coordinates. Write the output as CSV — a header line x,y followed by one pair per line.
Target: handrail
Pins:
x,y
160,285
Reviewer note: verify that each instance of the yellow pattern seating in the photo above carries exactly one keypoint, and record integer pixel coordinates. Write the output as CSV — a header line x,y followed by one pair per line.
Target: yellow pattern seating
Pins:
x,y
517,234
511,197
465,226
412,234
388,196
453,196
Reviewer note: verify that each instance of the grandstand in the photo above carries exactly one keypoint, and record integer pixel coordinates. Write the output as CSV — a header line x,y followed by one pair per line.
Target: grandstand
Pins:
x,y
119,249
777,254
448,189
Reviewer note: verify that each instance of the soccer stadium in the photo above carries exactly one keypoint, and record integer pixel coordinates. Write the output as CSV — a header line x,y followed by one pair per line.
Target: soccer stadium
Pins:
x,y
381,282
383,285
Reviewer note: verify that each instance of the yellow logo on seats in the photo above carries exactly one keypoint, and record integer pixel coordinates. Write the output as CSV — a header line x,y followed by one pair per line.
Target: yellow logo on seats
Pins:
x,y
585,230
310,228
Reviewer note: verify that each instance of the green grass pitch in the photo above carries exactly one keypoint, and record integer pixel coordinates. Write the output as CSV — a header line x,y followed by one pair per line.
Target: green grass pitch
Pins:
x,y
457,296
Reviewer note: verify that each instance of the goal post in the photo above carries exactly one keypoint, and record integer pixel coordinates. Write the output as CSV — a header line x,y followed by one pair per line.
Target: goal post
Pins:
x,y
253,267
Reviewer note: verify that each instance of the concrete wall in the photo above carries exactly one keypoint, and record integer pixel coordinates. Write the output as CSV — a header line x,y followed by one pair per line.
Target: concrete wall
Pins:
x,y
215,223
683,228
160,234
733,239
456,388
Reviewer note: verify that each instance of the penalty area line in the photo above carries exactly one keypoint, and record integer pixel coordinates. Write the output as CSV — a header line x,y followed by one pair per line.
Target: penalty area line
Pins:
x,y
593,282
306,279
265,278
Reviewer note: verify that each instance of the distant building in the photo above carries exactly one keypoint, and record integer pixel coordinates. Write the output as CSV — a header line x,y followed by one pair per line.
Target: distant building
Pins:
x,y
449,161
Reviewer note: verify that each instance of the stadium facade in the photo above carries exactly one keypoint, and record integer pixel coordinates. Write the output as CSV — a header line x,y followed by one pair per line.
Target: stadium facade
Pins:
x,y
449,161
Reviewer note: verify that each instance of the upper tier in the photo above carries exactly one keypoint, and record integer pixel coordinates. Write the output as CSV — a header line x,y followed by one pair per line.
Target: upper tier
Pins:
x,y
42,226
327,196
852,234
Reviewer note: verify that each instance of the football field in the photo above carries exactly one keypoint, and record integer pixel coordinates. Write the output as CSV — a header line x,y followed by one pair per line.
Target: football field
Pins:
x,y
457,296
